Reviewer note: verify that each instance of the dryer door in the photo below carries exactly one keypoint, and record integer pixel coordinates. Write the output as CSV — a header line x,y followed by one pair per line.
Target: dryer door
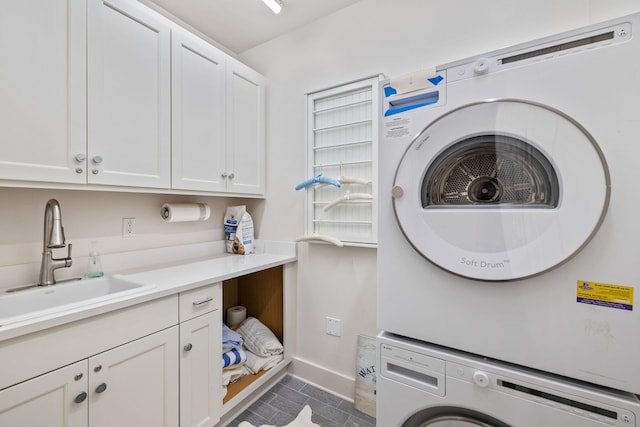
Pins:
x,y
501,190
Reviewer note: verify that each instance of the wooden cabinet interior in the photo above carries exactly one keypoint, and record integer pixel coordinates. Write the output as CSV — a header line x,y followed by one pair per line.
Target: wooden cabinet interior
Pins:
x,y
262,294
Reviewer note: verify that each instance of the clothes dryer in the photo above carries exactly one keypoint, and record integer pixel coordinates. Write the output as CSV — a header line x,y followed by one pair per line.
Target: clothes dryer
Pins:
x,y
508,200
422,385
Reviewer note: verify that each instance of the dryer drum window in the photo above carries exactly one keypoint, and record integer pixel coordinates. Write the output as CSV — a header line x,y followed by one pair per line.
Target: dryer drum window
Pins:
x,y
490,170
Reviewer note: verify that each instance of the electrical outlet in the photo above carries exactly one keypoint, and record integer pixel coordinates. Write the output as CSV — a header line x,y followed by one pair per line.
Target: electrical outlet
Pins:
x,y
333,326
128,227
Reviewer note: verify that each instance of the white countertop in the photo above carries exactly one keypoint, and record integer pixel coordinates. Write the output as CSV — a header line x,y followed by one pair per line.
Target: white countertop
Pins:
x,y
165,280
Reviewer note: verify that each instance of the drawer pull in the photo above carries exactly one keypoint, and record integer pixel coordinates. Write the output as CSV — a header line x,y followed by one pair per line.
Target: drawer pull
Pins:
x,y
188,347
101,388
203,301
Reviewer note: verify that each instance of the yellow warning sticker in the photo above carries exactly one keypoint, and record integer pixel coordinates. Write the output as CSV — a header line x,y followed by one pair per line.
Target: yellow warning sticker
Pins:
x,y
605,295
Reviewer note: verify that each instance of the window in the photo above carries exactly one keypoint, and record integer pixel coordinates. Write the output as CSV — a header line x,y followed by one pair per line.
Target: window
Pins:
x,y
342,146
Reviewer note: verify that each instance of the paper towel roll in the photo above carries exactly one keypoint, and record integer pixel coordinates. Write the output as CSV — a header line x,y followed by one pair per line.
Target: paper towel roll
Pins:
x,y
180,212
236,314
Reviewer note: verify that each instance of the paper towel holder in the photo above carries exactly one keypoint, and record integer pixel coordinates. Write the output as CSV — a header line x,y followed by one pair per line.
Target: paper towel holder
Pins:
x,y
179,212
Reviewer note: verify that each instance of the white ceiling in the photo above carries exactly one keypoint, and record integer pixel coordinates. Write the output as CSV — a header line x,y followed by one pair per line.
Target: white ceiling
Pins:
x,y
242,24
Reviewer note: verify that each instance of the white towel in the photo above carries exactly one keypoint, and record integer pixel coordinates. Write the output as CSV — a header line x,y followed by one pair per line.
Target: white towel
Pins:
x,y
255,363
232,375
259,339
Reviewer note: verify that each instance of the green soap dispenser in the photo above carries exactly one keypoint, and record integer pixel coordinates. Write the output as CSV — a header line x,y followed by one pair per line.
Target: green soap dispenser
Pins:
x,y
95,265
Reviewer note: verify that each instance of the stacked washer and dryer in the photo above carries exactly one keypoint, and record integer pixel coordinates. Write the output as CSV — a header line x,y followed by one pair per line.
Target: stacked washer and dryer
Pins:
x,y
508,240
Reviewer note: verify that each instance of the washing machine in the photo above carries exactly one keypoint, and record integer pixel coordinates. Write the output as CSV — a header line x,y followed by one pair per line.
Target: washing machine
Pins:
x,y
508,205
423,385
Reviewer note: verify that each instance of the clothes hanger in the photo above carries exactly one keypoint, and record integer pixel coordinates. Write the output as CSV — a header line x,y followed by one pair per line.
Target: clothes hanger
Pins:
x,y
319,178
348,180
348,196
320,237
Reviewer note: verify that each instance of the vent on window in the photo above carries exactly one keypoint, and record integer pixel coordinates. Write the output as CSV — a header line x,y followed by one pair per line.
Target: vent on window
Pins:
x,y
558,48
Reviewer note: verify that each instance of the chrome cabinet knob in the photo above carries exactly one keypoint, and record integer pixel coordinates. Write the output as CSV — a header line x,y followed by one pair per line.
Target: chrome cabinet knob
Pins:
x,y
232,175
188,347
224,175
80,157
96,159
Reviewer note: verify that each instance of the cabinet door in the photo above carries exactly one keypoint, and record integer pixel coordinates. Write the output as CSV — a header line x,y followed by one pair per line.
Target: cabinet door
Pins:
x,y
128,95
43,90
245,130
201,370
56,399
198,114
136,385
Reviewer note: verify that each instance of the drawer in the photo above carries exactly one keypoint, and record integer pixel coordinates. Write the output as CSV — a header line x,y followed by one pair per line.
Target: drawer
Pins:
x,y
200,301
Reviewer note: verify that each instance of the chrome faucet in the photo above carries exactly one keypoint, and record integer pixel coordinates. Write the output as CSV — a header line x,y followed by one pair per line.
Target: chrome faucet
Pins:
x,y
53,238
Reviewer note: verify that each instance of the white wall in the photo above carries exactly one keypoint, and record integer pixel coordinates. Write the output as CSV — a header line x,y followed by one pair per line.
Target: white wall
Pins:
x,y
370,37
97,216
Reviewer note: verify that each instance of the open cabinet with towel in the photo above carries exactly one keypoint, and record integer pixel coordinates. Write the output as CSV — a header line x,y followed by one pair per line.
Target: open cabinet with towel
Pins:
x,y
264,351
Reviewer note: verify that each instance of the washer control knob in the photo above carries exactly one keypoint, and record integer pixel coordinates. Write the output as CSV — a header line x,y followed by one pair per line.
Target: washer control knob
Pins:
x,y
481,379
481,66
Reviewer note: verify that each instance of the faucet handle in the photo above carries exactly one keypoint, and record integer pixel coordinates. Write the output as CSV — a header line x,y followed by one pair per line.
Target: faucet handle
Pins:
x,y
68,260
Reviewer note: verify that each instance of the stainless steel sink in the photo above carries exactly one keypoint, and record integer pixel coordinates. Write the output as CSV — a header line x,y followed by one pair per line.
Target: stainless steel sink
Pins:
x,y
47,300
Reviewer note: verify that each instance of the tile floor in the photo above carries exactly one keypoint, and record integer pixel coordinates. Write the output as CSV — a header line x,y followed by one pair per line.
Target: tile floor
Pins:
x,y
280,405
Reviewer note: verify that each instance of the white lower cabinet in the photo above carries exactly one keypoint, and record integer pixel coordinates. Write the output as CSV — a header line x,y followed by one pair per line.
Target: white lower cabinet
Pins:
x,y
200,356
56,399
136,385
166,373
200,370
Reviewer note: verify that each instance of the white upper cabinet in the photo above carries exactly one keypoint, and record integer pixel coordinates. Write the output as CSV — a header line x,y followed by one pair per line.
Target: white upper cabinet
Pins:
x,y
198,107
128,95
218,120
245,130
111,93
43,90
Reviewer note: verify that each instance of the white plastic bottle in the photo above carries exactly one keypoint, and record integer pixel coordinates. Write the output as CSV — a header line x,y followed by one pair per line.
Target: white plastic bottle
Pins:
x,y
95,265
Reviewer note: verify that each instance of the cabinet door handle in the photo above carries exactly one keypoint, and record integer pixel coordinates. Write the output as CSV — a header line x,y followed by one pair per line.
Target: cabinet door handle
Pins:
x,y
81,397
101,388
80,157
203,301
97,159
232,175
224,175
188,347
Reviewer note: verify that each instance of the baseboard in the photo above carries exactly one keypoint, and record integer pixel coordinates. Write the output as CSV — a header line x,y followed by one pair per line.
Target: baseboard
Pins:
x,y
331,381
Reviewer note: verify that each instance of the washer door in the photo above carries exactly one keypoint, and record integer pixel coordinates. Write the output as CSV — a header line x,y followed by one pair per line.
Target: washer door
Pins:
x,y
449,416
501,190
